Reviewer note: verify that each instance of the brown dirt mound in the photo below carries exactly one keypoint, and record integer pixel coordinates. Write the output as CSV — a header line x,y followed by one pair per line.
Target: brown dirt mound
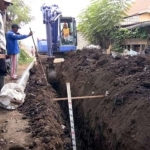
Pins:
x,y
120,121
45,116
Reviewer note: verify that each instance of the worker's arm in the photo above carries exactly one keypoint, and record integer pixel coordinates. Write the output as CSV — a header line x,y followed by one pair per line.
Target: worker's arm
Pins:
x,y
18,37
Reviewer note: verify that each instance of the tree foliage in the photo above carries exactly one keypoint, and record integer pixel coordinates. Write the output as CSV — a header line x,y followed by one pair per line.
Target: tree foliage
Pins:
x,y
19,12
101,18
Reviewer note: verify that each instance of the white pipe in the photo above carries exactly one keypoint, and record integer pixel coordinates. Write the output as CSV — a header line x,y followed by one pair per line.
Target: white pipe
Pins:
x,y
23,80
12,94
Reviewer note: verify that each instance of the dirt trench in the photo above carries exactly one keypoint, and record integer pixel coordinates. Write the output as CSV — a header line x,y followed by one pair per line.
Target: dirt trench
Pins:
x,y
47,124
39,124
119,121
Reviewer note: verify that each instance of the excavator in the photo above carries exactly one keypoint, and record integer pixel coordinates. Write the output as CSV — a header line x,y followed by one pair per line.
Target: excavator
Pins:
x,y
61,37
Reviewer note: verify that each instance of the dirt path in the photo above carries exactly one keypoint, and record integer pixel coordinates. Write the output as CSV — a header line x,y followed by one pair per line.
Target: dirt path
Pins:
x,y
13,124
13,130
21,69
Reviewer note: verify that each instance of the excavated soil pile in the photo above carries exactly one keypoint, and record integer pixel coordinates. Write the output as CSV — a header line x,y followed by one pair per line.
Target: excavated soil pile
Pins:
x,y
45,117
120,121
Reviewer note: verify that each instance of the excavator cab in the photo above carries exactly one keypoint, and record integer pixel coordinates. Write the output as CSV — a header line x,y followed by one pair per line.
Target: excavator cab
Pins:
x,y
61,43
68,34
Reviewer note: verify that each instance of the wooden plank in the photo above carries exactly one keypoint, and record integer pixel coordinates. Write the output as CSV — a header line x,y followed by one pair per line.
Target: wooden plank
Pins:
x,y
135,41
79,97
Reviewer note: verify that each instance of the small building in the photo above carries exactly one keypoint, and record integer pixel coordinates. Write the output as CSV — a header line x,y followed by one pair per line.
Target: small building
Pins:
x,y
139,12
138,16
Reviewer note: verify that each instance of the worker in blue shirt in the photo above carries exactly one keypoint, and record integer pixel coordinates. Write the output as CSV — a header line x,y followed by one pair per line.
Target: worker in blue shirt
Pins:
x,y
13,50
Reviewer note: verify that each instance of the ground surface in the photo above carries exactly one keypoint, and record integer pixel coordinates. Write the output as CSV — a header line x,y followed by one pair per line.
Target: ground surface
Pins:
x,y
119,121
12,124
38,123
21,69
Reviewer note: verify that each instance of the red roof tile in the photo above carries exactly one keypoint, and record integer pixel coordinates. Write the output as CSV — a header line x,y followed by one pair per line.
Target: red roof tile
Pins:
x,y
139,6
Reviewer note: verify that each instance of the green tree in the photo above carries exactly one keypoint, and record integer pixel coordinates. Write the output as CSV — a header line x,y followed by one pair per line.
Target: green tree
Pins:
x,y
101,18
19,12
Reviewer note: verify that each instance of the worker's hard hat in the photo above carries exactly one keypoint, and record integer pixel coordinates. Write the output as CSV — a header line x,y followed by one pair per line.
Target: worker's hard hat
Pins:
x,y
8,1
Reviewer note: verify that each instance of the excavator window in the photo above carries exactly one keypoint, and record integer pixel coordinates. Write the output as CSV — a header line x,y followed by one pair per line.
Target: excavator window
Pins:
x,y
67,33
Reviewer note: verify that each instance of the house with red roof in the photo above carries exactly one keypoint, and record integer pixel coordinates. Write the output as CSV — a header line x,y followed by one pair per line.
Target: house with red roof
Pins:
x,y
139,12
138,16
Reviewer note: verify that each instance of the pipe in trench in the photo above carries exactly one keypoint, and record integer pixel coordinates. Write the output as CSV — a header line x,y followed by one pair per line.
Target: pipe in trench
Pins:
x,y
12,94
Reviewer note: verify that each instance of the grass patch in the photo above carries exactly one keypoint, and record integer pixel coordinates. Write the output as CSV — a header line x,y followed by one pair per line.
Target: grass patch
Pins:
x,y
24,58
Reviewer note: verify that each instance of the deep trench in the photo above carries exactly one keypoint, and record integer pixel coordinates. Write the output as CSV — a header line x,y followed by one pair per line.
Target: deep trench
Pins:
x,y
84,134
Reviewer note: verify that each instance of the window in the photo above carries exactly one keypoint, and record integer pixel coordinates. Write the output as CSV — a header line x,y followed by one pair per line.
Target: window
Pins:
x,y
132,19
67,33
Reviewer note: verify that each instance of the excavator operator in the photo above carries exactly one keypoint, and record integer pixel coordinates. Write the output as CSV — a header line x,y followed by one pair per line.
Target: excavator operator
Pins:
x,y
65,31
67,37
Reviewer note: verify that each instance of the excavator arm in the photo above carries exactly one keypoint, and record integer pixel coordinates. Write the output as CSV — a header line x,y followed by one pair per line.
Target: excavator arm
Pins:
x,y
50,14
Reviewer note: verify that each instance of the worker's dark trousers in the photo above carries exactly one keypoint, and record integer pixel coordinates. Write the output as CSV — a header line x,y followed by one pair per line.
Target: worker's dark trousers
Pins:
x,y
3,72
2,81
